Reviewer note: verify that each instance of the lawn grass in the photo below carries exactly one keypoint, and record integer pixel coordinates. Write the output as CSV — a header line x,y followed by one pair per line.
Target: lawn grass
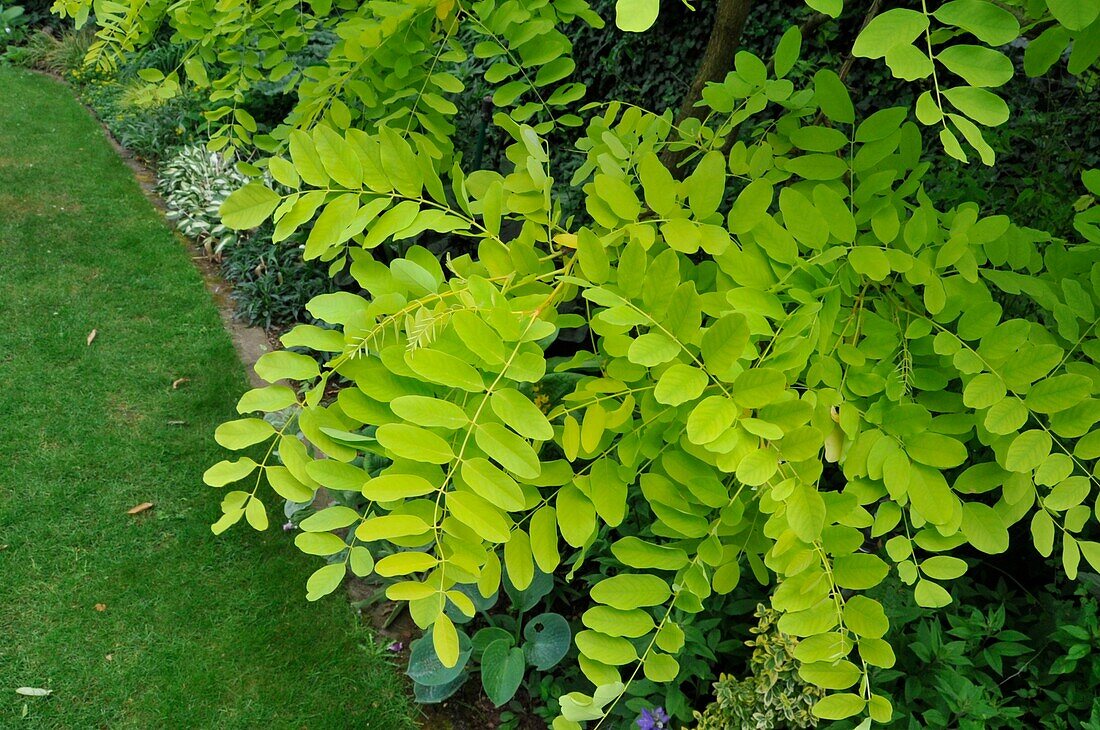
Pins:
x,y
196,631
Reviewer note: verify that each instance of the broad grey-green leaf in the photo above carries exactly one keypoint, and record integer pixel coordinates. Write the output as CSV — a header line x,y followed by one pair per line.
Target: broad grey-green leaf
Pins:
x,y
502,669
547,640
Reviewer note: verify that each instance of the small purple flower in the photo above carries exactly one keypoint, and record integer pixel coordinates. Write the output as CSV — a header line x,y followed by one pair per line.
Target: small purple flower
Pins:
x,y
396,646
288,527
656,720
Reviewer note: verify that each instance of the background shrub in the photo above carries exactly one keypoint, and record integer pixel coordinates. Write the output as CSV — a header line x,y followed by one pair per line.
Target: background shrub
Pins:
x,y
271,282
194,183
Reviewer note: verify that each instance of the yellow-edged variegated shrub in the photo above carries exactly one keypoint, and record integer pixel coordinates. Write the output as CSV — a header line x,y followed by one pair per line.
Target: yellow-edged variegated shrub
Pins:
x,y
797,368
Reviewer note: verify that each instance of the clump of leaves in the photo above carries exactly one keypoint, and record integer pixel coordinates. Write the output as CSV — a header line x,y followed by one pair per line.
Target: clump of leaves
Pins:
x,y
773,695
794,367
195,183
12,25
58,53
271,283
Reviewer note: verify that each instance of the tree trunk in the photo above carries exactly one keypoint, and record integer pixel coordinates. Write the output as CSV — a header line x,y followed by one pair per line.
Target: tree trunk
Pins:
x,y
725,37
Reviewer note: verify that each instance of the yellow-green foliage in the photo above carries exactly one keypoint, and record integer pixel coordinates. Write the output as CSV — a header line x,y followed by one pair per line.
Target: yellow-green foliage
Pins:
x,y
793,354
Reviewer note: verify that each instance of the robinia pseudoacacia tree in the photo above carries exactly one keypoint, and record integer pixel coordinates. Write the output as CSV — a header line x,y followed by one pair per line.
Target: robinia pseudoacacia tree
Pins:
x,y
798,368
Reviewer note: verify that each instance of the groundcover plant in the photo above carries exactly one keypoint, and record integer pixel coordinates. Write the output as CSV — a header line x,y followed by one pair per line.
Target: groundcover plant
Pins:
x,y
774,357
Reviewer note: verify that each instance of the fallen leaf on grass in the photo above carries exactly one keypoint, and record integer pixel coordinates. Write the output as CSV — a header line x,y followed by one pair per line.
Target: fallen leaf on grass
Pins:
x,y
138,509
179,381
34,692
109,657
101,607
91,336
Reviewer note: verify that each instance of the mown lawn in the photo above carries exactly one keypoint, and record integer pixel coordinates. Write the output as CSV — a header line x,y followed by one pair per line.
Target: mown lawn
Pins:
x,y
190,631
